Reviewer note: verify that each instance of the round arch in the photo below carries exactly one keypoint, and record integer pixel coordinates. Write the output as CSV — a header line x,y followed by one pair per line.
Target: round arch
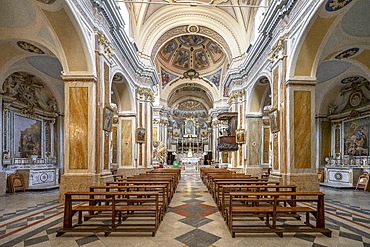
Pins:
x,y
259,94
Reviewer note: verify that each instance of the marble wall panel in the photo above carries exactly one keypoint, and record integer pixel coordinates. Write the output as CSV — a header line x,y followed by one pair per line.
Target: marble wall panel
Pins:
x,y
275,87
275,147
254,171
302,129
106,152
126,140
78,127
325,140
107,89
254,142
266,146
114,145
69,182
155,132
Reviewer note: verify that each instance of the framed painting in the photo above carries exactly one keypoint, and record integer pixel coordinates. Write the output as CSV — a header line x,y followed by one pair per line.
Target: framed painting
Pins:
x,y
189,127
27,136
356,133
107,119
274,120
240,136
140,135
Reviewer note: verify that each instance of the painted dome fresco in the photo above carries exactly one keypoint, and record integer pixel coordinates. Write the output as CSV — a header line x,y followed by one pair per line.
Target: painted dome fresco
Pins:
x,y
190,52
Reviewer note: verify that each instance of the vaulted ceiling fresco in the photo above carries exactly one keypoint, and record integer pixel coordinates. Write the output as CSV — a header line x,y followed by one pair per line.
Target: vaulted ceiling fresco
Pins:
x,y
187,54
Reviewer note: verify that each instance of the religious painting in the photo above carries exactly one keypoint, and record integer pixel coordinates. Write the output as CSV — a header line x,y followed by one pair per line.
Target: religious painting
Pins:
x,y
215,78
200,60
274,120
140,135
215,52
191,40
240,136
166,77
356,137
182,59
107,119
168,49
27,136
189,127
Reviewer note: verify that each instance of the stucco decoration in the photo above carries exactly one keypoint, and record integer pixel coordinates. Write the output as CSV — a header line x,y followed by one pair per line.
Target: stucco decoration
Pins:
x,y
334,5
355,94
30,47
28,90
347,53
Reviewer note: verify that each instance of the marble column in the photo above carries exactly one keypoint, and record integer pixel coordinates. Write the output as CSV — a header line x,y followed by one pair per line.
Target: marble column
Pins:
x,y
79,135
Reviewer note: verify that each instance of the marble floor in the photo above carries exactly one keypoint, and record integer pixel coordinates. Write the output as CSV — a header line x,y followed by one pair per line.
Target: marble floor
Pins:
x,y
32,219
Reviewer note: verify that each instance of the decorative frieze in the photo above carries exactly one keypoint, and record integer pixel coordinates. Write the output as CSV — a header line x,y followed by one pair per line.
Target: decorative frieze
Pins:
x,y
145,94
277,51
105,46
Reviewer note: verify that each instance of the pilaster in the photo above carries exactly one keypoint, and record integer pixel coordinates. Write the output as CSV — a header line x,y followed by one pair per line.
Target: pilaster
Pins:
x,y
80,165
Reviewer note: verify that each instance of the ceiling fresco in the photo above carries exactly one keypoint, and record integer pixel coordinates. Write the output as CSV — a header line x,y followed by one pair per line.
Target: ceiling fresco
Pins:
x,y
191,53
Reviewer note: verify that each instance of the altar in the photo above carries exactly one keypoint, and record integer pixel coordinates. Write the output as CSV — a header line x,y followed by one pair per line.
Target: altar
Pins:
x,y
190,164
342,176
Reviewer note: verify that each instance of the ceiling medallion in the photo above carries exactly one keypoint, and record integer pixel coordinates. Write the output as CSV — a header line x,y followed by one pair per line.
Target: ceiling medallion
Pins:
x,y
347,53
334,5
30,47
192,29
355,99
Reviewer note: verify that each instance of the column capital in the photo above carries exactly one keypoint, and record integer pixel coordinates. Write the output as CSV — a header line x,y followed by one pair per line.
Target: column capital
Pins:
x,y
70,77
302,81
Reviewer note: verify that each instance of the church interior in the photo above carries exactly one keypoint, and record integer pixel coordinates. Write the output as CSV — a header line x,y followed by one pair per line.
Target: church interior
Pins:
x,y
93,91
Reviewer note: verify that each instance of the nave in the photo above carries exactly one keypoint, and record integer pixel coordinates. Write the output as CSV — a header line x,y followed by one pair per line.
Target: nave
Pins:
x,y
32,219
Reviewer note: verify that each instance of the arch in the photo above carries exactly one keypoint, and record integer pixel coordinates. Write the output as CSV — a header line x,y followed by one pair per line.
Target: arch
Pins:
x,y
212,19
122,92
211,90
307,45
259,93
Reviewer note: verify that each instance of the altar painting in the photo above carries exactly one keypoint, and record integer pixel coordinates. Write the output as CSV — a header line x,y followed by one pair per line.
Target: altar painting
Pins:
x,y
356,137
27,137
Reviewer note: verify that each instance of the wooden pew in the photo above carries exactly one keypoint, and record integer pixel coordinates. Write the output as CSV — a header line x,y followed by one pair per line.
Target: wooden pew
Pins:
x,y
223,195
275,205
217,181
119,205
167,185
167,170
212,176
240,182
161,188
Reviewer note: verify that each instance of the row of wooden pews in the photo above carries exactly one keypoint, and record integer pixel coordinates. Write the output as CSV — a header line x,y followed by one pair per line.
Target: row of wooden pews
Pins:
x,y
134,204
255,205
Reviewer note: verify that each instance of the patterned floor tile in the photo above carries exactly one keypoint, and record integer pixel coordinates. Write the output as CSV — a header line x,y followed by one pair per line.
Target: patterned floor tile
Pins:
x,y
198,238
196,221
